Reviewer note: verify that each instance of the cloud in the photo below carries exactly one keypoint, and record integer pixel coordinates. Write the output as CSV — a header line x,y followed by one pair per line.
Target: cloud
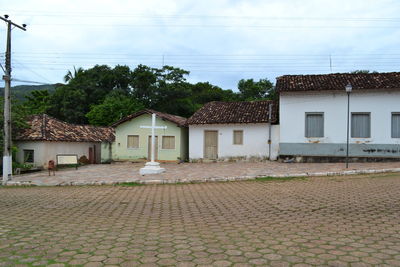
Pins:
x,y
218,41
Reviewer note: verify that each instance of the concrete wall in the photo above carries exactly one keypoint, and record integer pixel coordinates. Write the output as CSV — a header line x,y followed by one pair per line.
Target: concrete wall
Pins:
x,y
106,152
293,107
255,140
45,151
120,150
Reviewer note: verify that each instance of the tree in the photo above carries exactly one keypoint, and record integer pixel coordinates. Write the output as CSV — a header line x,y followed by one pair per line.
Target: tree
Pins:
x,y
38,102
72,101
114,107
69,76
18,120
252,90
363,72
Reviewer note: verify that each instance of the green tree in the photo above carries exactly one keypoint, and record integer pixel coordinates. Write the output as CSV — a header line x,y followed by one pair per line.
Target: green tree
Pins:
x,y
114,107
253,90
18,120
72,101
363,72
71,75
37,102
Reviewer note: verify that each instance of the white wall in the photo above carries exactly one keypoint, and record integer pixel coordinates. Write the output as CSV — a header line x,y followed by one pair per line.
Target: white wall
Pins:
x,y
255,140
45,151
293,107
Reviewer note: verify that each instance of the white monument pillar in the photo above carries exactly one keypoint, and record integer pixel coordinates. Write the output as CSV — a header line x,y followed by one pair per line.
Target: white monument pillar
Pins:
x,y
152,167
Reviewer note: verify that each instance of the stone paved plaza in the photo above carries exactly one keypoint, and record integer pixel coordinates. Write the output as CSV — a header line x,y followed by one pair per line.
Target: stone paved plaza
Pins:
x,y
191,172
323,221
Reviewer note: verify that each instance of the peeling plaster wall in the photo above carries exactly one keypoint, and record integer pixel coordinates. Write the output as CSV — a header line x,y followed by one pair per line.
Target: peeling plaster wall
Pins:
x,y
293,107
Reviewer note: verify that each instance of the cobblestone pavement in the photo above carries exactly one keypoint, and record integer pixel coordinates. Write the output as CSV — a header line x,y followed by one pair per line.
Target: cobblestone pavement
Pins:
x,y
190,171
329,221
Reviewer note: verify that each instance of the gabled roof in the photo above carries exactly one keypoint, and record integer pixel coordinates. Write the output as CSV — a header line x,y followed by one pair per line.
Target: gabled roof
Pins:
x,y
338,81
235,112
178,120
46,128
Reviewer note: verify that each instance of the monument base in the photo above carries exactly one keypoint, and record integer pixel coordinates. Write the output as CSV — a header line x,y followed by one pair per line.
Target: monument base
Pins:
x,y
151,168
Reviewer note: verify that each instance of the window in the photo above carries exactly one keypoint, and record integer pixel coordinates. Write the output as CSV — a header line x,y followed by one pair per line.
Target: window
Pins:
x,y
133,141
238,137
360,125
314,124
396,125
168,142
28,156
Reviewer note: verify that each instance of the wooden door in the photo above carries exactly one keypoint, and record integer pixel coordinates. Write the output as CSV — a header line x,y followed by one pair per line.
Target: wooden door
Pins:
x,y
91,155
211,144
149,148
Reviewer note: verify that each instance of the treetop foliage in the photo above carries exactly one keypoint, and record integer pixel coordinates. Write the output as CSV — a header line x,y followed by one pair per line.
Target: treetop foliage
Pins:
x,y
102,94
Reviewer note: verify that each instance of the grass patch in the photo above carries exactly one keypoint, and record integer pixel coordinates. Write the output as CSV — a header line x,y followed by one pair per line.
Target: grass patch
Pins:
x,y
130,184
280,179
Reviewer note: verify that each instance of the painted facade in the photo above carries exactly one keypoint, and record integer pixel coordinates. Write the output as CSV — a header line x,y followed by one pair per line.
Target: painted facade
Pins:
x,y
47,137
380,104
131,127
254,145
44,151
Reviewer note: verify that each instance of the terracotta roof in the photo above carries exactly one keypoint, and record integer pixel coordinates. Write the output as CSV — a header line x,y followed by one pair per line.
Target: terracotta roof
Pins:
x,y
234,112
45,128
178,120
338,81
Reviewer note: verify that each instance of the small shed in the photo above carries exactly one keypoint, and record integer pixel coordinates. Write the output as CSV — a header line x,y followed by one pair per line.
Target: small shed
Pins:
x,y
47,137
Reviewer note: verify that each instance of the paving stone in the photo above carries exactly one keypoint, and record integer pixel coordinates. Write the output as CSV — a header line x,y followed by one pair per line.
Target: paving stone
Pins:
x,y
322,221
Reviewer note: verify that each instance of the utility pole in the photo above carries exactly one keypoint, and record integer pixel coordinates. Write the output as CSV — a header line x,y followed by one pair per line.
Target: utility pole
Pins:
x,y
7,154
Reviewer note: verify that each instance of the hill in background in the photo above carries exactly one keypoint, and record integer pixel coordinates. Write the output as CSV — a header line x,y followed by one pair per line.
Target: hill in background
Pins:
x,y
20,91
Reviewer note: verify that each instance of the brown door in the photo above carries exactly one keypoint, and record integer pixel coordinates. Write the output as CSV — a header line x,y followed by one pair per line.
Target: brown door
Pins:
x,y
211,144
91,155
149,148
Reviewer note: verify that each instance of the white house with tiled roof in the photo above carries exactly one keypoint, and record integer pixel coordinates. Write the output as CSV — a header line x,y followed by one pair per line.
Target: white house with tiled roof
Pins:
x,y
47,137
313,115
230,131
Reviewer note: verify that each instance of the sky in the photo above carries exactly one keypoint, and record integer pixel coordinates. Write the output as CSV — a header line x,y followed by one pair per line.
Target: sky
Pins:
x,y
219,41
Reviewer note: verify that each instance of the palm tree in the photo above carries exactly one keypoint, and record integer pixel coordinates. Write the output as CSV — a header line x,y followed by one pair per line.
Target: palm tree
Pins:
x,y
69,76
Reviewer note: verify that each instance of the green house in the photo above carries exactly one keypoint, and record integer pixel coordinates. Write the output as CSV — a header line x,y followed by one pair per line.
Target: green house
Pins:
x,y
134,143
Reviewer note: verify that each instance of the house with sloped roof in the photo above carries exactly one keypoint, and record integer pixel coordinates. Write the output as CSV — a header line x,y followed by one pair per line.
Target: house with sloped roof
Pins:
x,y
132,142
47,137
314,112
230,131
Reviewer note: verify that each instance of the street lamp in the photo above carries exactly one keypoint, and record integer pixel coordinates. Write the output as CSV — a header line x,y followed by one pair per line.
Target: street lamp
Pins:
x,y
348,88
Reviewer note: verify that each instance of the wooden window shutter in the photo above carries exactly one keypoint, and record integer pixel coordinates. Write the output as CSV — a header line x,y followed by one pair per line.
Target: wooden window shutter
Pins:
x,y
133,141
238,137
168,142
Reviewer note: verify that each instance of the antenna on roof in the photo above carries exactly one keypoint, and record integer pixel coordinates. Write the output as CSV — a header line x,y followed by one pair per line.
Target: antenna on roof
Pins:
x,y
330,62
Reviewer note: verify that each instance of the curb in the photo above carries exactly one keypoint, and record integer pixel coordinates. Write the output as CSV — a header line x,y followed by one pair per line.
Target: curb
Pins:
x,y
210,179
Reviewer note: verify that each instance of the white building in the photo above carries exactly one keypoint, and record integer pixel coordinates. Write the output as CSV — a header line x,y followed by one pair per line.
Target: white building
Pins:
x,y
234,131
47,137
313,115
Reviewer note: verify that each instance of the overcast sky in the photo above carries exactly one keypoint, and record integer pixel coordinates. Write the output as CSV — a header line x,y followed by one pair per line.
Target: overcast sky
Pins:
x,y
219,41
